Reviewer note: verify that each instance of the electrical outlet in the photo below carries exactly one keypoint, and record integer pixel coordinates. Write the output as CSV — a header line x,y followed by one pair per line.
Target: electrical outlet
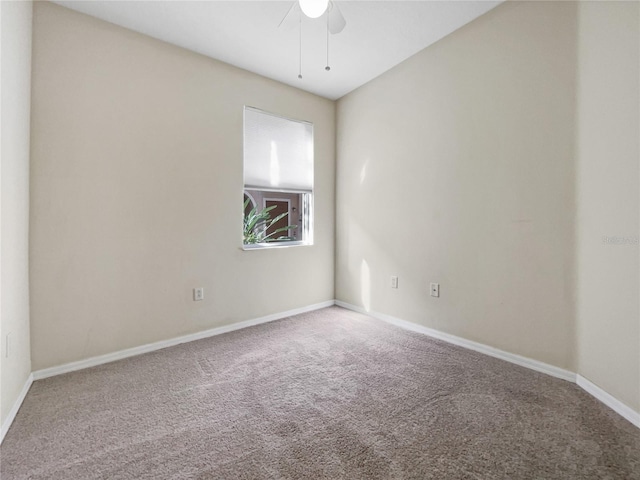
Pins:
x,y
394,282
435,289
198,294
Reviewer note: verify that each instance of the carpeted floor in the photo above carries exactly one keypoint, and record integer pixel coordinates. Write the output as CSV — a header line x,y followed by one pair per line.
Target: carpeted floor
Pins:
x,y
328,394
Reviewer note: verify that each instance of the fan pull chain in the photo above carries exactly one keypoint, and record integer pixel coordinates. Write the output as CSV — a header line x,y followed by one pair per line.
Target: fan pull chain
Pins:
x,y
300,51
327,68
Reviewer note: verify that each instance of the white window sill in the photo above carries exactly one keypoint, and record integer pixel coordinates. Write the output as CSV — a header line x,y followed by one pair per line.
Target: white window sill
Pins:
x,y
270,245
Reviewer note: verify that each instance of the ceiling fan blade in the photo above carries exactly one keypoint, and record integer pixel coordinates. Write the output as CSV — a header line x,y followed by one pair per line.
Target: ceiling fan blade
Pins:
x,y
291,18
336,21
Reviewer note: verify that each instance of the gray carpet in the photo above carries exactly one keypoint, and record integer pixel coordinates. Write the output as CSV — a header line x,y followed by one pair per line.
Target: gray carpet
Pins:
x,y
328,394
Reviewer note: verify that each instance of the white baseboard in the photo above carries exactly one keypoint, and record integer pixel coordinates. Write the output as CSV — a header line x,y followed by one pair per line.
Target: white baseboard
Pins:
x,y
609,400
462,342
606,398
151,347
16,406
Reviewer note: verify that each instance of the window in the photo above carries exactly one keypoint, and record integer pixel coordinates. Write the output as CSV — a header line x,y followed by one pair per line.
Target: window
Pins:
x,y
278,180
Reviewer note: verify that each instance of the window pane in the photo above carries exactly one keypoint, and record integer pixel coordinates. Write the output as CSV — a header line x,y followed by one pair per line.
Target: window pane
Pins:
x,y
278,180
290,207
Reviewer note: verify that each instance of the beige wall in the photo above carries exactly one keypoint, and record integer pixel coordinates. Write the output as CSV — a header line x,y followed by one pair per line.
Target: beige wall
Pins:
x,y
465,165
608,203
457,167
14,312
137,192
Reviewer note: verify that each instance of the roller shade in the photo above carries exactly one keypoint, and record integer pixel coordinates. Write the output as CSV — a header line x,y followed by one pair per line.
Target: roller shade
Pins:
x,y
278,152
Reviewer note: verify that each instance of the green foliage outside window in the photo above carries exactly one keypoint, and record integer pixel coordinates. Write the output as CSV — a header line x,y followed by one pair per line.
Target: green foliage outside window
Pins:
x,y
258,222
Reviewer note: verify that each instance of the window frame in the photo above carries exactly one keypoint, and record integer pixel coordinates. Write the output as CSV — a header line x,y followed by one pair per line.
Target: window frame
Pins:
x,y
306,196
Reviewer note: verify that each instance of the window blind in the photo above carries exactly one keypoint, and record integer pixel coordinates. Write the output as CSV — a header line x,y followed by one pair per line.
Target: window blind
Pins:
x,y
278,152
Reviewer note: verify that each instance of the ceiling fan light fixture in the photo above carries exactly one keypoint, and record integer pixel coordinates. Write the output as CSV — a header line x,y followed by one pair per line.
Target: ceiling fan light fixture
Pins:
x,y
313,8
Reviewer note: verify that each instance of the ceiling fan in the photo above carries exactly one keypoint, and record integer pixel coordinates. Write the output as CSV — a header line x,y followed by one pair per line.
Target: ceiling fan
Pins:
x,y
314,9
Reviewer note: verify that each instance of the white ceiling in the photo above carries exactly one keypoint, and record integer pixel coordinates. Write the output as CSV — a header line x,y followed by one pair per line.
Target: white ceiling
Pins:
x,y
378,34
